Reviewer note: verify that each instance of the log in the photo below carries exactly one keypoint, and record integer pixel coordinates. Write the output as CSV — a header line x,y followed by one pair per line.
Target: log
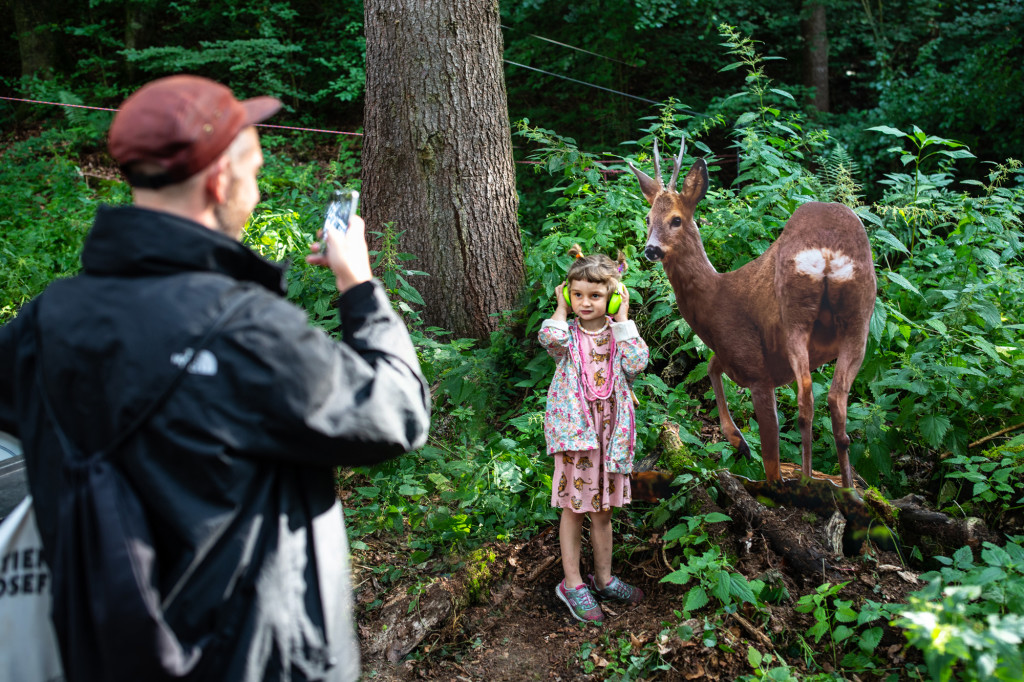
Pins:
x,y
407,624
804,555
915,523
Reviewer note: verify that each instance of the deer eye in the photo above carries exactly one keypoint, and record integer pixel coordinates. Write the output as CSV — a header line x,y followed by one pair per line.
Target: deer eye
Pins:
x,y
676,221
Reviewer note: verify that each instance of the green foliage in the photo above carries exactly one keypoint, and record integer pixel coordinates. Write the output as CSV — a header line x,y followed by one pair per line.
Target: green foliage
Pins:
x,y
451,498
968,621
761,663
988,485
711,578
827,610
46,210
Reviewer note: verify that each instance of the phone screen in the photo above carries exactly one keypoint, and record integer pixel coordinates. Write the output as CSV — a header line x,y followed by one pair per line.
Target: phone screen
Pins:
x,y
339,213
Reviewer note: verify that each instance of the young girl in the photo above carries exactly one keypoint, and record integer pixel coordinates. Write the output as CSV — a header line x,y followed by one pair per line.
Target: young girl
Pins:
x,y
588,423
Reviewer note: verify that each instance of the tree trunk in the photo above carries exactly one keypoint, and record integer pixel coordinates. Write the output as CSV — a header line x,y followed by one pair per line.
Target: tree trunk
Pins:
x,y
36,41
138,27
815,30
437,155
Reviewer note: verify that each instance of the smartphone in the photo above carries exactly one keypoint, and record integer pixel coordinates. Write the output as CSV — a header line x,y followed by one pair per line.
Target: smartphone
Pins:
x,y
339,213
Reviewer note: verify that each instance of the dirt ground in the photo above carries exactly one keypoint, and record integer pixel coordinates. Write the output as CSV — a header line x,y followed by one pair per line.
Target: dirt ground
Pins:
x,y
519,630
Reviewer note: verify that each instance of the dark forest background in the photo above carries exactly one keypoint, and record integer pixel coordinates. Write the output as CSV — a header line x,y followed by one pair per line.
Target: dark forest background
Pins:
x,y
953,68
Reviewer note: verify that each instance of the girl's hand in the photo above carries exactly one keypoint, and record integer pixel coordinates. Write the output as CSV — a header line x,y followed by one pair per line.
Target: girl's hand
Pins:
x,y
623,312
561,307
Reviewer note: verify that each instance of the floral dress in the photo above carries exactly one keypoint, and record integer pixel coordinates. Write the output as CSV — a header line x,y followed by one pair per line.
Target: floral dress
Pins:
x,y
581,481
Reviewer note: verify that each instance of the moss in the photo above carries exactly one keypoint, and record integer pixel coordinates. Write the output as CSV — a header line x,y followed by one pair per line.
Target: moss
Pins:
x,y
1015,452
676,456
881,507
479,575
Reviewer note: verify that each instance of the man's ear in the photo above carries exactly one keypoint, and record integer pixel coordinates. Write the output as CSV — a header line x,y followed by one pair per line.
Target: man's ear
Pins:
x,y
218,179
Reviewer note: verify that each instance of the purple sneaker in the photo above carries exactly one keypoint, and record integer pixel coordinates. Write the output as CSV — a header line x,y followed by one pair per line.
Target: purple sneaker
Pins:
x,y
581,603
617,590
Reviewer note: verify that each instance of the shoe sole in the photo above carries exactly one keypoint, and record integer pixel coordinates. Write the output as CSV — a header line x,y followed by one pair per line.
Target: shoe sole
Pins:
x,y
572,611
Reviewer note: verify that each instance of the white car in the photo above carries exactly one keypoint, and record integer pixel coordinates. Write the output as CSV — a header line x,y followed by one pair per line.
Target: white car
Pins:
x,y
9,446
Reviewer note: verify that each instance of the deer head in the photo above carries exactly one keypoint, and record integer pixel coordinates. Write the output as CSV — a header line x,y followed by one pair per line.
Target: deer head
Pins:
x,y
671,211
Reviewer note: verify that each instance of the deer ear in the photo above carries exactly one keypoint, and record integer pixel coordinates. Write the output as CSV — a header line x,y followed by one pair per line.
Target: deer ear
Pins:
x,y
649,186
695,186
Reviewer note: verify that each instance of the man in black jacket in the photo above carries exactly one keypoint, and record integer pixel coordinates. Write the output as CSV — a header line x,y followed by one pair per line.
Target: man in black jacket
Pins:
x,y
234,472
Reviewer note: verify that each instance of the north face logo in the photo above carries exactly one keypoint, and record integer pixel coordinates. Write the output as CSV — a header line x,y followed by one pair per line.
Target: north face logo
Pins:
x,y
204,364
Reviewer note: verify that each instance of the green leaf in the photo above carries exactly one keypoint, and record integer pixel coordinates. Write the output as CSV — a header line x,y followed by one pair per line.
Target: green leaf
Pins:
x,y
891,239
411,490
901,280
988,312
745,118
934,427
783,93
886,130
740,588
696,599
676,532
869,639
878,318
841,633
722,587
754,657
680,576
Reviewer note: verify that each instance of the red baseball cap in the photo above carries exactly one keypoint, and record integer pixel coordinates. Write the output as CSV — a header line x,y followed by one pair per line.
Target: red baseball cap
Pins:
x,y
181,124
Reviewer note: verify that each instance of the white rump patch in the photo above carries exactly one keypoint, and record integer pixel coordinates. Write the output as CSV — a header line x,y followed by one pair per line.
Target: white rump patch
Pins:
x,y
819,263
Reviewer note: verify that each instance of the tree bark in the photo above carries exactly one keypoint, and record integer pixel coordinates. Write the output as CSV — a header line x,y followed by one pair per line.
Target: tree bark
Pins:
x,y
437,157
815,30
138,27
36,41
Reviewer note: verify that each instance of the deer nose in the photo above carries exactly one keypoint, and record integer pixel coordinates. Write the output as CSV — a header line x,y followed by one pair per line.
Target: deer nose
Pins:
x,y
654,252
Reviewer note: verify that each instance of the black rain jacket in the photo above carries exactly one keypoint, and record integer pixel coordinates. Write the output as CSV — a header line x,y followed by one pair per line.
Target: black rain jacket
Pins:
x,y
236,471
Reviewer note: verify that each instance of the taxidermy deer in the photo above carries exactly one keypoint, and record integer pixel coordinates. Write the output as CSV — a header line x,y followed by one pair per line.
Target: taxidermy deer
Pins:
x,y
805,301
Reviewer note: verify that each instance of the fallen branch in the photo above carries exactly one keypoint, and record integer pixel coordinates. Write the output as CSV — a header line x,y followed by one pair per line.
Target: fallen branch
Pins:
x,y
543,566
982,441
753,632
804,555
915,522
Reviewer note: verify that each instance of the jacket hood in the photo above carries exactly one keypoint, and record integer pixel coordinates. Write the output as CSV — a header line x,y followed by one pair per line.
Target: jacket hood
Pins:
x,y
128,241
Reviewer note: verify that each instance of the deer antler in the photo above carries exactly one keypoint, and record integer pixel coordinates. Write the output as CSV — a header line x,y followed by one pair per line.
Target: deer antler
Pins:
x,y
675,167
657,163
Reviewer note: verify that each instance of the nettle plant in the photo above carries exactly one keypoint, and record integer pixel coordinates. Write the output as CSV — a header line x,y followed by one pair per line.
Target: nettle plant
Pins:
x,y
968,621
947,362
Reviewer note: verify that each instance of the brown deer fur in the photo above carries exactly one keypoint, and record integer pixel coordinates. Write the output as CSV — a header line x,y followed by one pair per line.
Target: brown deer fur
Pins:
x,y
805,301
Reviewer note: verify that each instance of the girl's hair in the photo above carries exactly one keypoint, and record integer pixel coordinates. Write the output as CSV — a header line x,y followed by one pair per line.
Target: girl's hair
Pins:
x,y
596,268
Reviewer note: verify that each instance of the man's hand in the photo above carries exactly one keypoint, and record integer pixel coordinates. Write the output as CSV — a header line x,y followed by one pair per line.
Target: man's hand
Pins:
x,y
347,255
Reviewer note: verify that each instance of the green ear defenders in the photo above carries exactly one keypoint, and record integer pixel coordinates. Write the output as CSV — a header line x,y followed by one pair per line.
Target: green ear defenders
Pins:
x,y
614,301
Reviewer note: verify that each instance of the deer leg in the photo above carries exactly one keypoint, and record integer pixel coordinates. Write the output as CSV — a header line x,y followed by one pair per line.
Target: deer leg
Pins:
x,y
729,429
768,425
801,365
851,355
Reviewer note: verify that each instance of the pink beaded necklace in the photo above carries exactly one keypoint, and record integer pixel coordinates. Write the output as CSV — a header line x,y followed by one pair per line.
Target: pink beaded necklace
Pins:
x,y
590,391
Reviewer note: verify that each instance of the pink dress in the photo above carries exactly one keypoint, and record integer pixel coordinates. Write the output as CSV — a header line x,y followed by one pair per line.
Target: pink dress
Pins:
x,y
580,481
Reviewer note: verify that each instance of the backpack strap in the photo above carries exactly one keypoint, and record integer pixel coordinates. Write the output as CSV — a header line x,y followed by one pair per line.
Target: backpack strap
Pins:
x,y
225,315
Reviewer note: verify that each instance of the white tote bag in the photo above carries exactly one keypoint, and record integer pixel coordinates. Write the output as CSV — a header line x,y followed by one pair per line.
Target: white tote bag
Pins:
x,y
28,645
